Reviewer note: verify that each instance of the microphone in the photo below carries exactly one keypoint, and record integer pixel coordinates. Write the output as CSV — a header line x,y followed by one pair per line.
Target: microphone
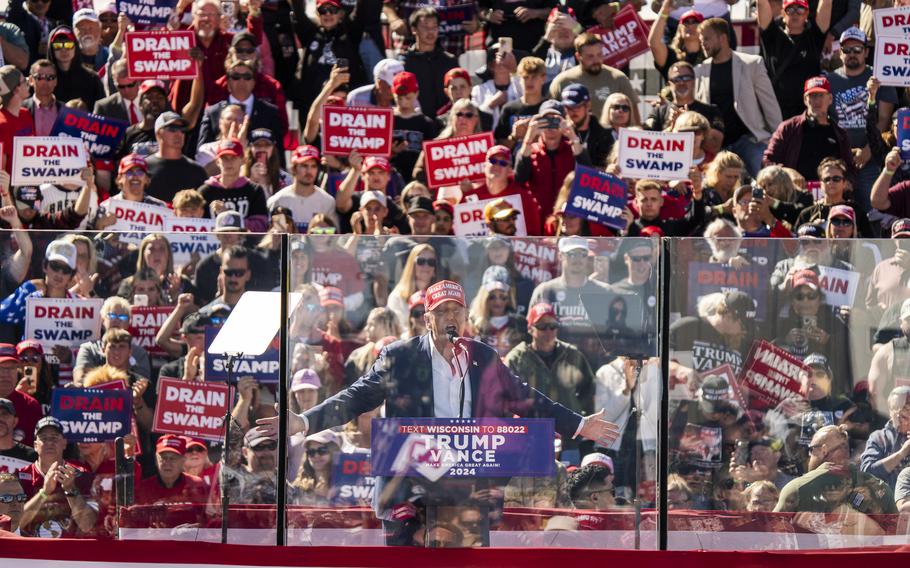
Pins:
x,y
452,333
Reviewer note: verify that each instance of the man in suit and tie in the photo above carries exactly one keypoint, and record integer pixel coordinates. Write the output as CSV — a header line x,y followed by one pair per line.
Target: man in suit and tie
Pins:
x,y
737,83
241,81
124,104
440,375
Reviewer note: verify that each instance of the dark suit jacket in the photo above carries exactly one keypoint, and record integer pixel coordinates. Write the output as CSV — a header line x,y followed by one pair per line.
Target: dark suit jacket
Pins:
x,y
29,105
265,115
112,107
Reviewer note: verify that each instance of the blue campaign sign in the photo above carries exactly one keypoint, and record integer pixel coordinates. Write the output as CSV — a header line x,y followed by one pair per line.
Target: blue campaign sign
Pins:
x,y
598,196
263,368
147,12
903,132
435,448
93,415
102,135
352,483
451,17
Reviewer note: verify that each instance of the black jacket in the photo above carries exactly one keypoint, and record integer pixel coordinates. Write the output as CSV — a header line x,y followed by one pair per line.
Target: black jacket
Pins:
x,y
430,68
265,115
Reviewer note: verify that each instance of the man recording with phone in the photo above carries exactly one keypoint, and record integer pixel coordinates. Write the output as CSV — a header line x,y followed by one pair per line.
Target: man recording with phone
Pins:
x,y
440,374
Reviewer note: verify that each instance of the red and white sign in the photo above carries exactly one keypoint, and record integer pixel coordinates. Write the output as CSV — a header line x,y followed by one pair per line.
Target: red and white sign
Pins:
x,y
840,285
161,55
191,409
892,22
892,61
190,236
771,375
469,221
145,321
451,160
628,38
365,129
9,464
47,159
62,321
664,156
135,216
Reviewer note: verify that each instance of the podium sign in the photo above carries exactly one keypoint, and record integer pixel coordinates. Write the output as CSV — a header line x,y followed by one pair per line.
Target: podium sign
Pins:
x,y
435,448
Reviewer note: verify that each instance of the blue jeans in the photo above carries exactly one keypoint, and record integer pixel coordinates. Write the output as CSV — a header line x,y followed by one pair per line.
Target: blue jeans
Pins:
x,y
751,151
370,54
865,178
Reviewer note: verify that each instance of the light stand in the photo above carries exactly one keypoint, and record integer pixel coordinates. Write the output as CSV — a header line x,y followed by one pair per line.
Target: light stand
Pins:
x,y
225,493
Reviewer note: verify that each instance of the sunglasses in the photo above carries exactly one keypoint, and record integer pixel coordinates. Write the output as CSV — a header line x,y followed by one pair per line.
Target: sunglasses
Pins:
x,y
314,307
234,272
45,77
841,222
431,262
417,313
60,267
320,451
807,296
546,326
322,231
174,128
690,22
270,447
498,162
195,450
576,254
833,179
128,85
217,320
245,50
121,317
240,76
134,173
795,10
623,108
10,497
643,258
327,11
63,45
30,358
855,50
465,114
40,1
682,79
498,297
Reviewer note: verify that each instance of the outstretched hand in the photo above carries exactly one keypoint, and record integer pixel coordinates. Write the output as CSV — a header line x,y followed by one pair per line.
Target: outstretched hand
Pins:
x,y
598,430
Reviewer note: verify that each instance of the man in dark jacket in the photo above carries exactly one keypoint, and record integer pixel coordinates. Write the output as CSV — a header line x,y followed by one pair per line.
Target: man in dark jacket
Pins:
x,y
803,141
594,137
428,60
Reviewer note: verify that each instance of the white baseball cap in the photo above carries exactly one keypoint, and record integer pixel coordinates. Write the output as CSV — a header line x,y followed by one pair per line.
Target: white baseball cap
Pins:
x,y
386,70
62,251
373,195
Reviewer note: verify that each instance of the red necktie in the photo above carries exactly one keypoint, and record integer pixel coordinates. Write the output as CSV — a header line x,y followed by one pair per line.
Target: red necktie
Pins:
x,y
134,118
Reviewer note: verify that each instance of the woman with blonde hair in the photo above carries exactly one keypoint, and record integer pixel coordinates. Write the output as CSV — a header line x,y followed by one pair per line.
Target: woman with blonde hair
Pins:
x,y
691,121
685,45
381,322
788,200
418,273
464,120
492,318
723,176
155,253
618,113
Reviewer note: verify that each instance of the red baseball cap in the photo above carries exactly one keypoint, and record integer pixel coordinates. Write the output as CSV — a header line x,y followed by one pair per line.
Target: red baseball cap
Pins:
x,y
418,298
499,150
652,231
304,153
8,353
131,161
194,443
804,277
540,311
842,211
335,3
405,83
699,17
26,344
817,85
230,146
330,295
803,3
170,443
444,205
444,291
456,73
371,162
150,84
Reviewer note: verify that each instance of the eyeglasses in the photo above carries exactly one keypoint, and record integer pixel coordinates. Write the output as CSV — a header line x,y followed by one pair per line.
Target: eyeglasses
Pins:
x,y
45,77
546,326
576,254
240,76
30,358
498,297
465,114
234,272
431,262
682,79
60,267
63,45
795,10
128,85
245,50
327,10
417,313
855,50
269,447
644,258
8,498
807,296
320,451
833,179
841,222
498,162
121,317
134,173
623,108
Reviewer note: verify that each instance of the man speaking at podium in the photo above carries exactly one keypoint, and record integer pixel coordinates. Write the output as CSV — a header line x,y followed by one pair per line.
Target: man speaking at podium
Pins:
x,y
439,375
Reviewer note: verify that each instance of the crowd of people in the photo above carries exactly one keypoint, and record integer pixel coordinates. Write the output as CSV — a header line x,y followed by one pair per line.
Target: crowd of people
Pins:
x,y
796,167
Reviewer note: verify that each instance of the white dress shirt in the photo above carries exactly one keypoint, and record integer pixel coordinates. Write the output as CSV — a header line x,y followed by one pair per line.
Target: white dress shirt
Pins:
x,y
247,104
447,385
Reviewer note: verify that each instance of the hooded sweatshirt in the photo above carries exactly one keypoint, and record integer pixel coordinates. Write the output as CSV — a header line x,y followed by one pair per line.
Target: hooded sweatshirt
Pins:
x,y
77,82
244,196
